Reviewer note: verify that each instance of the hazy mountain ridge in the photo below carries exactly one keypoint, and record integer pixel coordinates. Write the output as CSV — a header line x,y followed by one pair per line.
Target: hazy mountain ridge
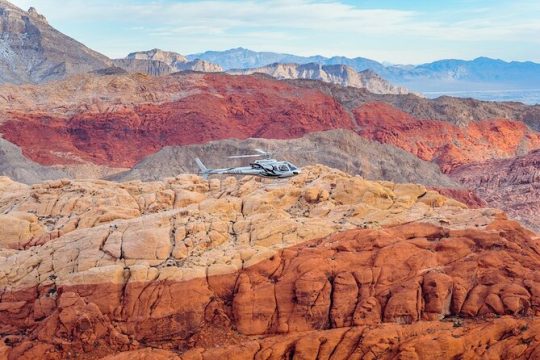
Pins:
x,y
240,58
443,75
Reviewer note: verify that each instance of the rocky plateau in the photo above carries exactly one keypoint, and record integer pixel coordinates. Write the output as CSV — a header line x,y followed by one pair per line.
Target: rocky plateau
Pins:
x,y
324,265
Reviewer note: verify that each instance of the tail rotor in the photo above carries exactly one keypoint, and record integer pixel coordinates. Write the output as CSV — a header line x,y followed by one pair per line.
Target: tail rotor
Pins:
x,y
203,170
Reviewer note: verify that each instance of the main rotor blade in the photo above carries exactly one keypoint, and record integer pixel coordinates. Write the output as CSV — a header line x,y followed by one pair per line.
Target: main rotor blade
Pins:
x,y
262,152
243,156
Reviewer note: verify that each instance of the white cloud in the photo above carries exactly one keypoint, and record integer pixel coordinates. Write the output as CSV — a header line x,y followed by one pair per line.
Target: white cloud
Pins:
x,y
302,26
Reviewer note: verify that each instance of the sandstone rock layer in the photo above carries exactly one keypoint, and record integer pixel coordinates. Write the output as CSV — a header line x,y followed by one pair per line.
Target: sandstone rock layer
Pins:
x,y
323,265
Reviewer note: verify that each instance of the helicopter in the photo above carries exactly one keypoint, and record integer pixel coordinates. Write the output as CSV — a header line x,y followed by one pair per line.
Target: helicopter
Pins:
x,y
267,167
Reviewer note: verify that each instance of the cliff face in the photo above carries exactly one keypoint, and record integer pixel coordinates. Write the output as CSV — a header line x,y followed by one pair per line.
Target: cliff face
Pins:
x,y
444,143
510,184
199,65
145,66
33,51
158,62
168,57
198,268
337,74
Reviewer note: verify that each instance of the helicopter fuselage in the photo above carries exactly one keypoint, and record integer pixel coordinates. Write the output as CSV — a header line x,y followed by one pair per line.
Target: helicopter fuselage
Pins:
x,y
268,168
277,169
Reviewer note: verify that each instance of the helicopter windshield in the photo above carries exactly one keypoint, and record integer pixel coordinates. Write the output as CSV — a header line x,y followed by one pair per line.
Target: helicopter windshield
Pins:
x,y
292,167
283,167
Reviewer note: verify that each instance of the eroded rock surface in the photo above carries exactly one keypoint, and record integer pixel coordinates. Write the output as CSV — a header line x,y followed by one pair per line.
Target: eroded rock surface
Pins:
x,y
510,184
444,143
201,269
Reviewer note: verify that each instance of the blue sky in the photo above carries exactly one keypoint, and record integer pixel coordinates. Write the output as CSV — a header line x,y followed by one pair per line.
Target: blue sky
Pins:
x,y
397,31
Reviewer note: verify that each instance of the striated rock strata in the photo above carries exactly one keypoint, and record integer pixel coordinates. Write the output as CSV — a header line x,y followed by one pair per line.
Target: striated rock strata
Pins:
x,y
510,184
337,74
323,263
444,143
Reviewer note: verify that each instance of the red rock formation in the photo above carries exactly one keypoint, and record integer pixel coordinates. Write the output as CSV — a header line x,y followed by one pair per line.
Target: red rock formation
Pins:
x,y
465,196
136,115
354,282
510,184
447,144
504,338
238,107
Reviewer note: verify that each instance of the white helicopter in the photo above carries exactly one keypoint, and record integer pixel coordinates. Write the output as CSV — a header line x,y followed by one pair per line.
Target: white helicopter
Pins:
x,y
267,167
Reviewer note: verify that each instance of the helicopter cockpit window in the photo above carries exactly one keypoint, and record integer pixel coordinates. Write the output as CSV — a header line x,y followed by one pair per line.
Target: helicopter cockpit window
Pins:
x,y
283,167
292,167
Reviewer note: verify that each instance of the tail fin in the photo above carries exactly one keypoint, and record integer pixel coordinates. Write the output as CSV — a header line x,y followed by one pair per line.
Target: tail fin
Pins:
x,y
203,169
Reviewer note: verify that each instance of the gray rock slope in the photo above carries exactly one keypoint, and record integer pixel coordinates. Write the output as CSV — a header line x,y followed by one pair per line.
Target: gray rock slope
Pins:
x,y
14,165
33,51
341,149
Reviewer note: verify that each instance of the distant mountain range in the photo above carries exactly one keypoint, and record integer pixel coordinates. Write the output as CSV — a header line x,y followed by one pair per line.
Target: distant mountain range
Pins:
x,y
444,75
241,58
31,51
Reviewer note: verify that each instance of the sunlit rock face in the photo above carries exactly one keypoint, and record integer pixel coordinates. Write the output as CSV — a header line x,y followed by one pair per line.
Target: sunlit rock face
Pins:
x,y
190,268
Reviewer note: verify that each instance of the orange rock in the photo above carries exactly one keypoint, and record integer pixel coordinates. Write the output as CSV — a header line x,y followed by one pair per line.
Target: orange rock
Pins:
x,y
398,276
442,142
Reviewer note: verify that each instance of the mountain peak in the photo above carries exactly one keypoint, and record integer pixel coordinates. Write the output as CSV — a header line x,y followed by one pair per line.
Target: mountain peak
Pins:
x,y
33,51
487,59
168,57
34,14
